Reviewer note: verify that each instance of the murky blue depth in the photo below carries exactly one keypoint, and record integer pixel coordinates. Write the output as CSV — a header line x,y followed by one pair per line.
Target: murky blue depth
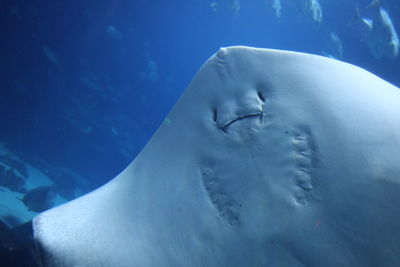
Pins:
x,y
84,84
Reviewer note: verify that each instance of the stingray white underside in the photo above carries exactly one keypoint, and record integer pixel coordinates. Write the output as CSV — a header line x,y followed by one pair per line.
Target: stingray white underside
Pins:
x,y
270,158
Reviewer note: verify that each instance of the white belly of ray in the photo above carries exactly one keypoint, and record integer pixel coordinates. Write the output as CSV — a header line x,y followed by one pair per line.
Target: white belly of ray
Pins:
x,y
270,158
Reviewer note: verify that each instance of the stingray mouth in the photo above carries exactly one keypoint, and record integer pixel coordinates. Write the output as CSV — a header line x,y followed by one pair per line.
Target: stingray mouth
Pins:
x,y
228,124
248,114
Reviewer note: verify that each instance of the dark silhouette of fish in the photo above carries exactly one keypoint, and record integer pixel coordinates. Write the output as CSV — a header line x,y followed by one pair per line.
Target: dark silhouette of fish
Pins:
x,y
39,199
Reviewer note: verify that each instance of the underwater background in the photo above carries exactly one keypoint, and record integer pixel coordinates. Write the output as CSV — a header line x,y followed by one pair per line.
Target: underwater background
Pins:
x,y
85,84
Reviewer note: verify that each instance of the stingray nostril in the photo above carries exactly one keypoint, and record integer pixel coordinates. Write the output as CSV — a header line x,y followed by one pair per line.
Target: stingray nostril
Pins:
x,y
214,115
261,96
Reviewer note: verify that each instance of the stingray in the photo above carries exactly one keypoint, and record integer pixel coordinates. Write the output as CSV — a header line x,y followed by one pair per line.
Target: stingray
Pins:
x,y
270,158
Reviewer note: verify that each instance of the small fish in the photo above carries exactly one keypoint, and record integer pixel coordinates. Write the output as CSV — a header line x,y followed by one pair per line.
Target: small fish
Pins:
x,y
15,12
39,199
51,56
114,33
384,41
334,47
314,9
152,65
236,6
277,7
20,86
362,25
309,9
374,3
214,6
378,33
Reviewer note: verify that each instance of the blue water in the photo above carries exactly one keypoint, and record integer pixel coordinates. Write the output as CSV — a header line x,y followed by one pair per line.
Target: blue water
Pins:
x,y
114,69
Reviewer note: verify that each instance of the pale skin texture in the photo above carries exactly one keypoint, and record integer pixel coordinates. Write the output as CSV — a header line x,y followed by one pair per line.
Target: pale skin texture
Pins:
x,y
270,158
